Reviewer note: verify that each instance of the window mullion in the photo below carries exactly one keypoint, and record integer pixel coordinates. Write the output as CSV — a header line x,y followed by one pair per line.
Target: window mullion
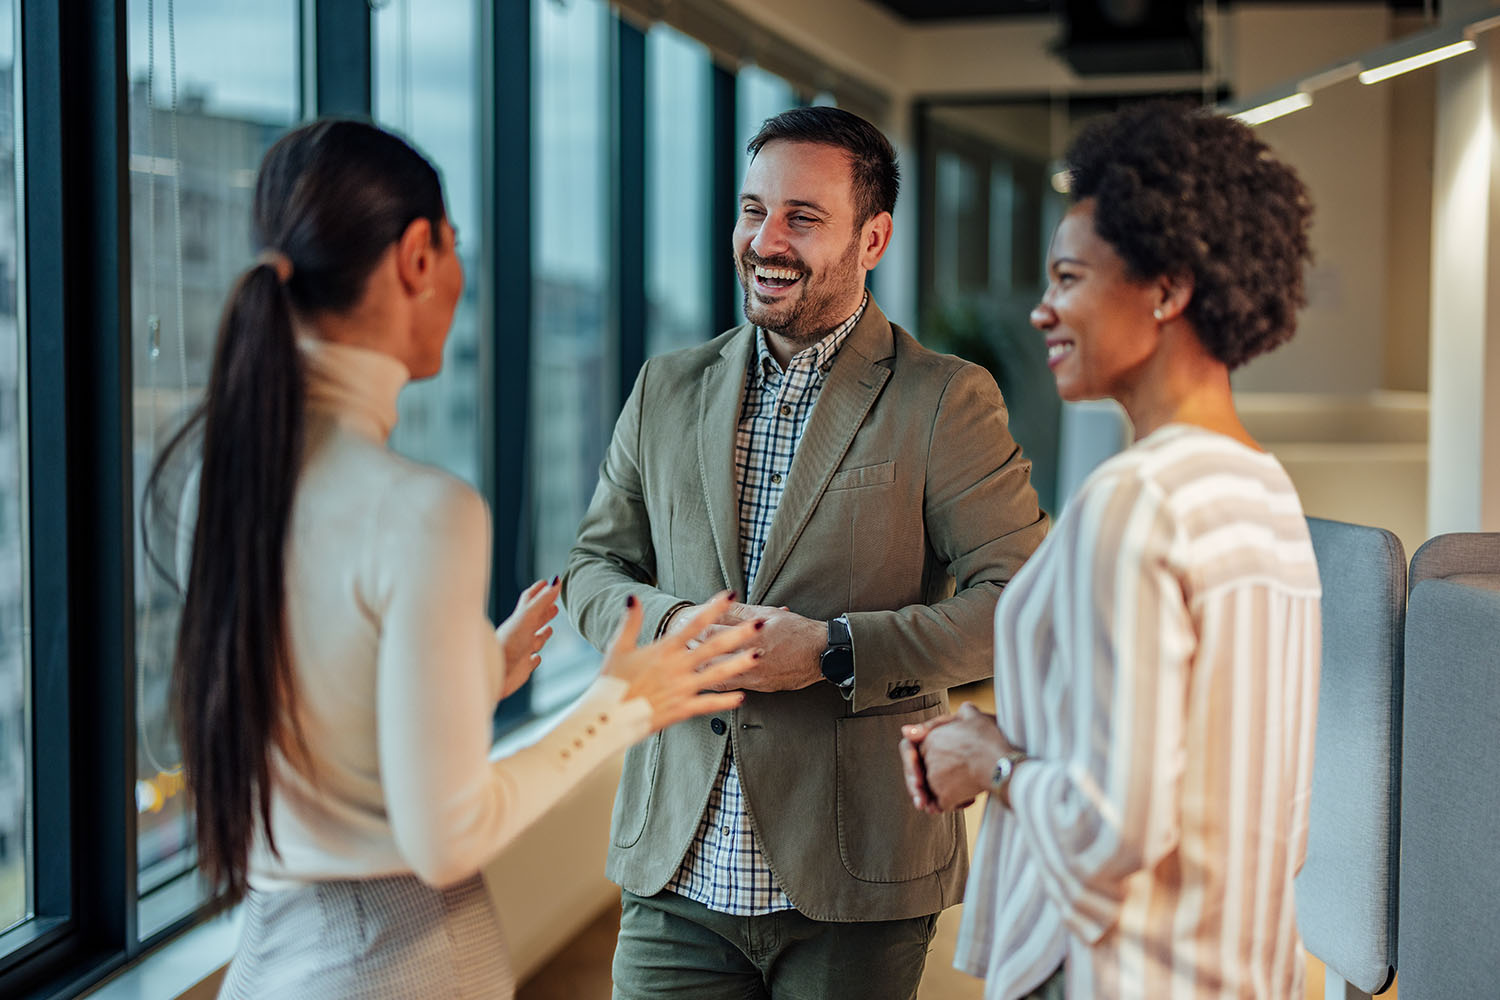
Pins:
x,y
78,424
506,309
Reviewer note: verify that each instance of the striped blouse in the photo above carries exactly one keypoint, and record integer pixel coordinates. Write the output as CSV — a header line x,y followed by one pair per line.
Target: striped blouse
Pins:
x,y
1158,657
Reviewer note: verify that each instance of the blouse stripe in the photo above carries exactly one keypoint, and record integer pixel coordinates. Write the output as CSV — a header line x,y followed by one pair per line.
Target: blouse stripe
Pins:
x,y
1158,659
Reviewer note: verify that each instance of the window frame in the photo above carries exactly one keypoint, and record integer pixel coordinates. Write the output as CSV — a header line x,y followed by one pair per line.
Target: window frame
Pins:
x,y
76,295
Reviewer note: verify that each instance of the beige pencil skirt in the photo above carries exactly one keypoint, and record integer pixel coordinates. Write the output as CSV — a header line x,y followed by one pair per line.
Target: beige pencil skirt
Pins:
x,y
371,939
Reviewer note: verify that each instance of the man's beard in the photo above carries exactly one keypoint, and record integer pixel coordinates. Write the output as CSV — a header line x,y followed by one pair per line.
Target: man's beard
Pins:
x,y
816,310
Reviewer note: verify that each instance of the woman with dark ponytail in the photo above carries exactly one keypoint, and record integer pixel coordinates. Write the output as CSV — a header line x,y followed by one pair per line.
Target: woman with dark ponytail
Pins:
x,y
335,673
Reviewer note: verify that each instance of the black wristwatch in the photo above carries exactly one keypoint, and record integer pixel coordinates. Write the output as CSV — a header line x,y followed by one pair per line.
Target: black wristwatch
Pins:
x,y
838,659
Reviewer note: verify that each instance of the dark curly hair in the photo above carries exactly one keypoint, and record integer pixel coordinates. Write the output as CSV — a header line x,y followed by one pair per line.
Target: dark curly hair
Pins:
x,y
1180,190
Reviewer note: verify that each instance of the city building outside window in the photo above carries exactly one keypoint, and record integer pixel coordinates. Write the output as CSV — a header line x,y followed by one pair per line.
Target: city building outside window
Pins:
x,y
211,87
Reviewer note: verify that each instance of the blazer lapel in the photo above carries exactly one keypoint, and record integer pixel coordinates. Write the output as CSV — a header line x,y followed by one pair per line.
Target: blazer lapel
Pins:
x,y
853,385
719,400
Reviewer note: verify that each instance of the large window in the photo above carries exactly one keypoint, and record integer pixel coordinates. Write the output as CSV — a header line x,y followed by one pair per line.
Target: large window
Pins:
x,y
573,403
212,84
680,263
15,847
426,86
759,94
988,210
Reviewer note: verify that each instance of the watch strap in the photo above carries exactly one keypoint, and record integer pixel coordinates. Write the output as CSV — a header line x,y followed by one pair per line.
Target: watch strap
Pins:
x,y
839,634
837,661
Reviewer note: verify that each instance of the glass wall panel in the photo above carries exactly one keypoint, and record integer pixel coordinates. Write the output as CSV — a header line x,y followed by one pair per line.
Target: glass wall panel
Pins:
x,y
573,403
680,264
759,94
15,763
208,94
426,86
991,207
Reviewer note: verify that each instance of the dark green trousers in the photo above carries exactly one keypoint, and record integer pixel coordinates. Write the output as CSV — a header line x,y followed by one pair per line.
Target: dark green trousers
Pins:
x,y
675,948
1052,989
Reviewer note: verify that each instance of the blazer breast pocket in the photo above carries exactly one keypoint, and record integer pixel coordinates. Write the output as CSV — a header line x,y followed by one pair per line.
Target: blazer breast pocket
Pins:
x,y
867,475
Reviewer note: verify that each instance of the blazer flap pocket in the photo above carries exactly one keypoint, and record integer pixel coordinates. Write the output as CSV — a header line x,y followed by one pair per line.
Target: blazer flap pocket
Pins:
x,y
882,838
868,475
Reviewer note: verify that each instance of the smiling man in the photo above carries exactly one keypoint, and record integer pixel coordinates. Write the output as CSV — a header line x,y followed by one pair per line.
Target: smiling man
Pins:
x,y
864,496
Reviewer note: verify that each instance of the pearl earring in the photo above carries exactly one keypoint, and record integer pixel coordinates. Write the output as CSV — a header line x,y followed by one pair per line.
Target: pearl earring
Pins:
x,y
1158,313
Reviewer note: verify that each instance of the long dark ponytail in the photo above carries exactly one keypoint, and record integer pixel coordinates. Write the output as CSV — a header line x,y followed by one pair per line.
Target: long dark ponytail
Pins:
x,y
330,199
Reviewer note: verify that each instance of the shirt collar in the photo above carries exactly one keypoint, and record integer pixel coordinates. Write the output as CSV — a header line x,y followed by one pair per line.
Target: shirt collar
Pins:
x,y
819,356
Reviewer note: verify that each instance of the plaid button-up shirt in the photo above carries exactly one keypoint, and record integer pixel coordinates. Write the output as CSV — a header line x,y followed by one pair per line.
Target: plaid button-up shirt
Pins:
x,y
724,868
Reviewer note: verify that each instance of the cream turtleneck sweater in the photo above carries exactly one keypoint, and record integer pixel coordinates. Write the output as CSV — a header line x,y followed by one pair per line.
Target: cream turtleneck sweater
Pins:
x,y
397,666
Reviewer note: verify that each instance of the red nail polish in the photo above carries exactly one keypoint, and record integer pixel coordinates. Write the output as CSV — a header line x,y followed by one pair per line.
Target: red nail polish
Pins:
x,y
733,594
760,624
630,601
758,654
555,579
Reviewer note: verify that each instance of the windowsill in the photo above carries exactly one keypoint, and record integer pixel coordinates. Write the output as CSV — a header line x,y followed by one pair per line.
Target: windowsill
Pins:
x,y
170,902
179,966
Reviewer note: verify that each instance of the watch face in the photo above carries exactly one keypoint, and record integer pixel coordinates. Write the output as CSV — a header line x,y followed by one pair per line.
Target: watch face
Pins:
x,y
838,664
1003,767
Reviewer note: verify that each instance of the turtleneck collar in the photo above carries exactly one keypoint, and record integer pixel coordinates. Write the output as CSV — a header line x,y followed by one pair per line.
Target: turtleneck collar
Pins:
x,y
357,385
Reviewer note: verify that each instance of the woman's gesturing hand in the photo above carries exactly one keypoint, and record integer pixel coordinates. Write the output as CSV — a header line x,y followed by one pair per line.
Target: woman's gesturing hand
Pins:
x,y
673,678
526,631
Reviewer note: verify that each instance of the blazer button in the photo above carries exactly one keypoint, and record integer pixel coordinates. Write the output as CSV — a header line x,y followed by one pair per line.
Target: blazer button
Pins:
x,y
718,727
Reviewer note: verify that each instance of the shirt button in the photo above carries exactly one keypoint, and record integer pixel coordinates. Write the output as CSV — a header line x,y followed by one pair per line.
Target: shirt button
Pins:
x,y
786,411
718,727
726,831
776,477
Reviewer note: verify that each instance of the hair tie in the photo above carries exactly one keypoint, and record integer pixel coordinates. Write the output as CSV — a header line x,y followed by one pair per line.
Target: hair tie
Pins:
x,y
276,261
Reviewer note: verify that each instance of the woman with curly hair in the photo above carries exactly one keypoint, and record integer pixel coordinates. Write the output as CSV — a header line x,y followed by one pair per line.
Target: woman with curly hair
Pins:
x,y
1156,671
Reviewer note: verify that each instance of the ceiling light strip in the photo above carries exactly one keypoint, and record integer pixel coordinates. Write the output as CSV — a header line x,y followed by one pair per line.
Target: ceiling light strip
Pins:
x,y
1274,109
1417,61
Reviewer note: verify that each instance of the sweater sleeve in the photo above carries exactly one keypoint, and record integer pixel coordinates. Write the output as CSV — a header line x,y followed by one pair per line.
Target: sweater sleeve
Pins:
x,y
1111,808
450,808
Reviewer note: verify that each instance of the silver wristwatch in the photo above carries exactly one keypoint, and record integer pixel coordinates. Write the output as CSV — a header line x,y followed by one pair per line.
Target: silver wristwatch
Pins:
x,y
1005,767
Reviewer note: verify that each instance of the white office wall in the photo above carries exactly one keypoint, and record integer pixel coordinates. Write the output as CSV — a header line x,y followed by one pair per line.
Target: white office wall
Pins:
x,y
1341,148
1464,484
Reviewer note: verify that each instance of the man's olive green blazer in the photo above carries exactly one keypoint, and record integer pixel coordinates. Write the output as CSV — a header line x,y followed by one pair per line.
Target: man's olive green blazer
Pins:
x,y
908,506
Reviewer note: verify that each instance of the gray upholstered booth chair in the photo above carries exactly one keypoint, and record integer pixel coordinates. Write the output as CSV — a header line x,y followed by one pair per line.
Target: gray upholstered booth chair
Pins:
x,y
1346,892
1450,809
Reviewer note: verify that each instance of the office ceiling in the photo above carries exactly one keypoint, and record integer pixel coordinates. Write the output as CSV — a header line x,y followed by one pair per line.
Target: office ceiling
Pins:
x,y
945,10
